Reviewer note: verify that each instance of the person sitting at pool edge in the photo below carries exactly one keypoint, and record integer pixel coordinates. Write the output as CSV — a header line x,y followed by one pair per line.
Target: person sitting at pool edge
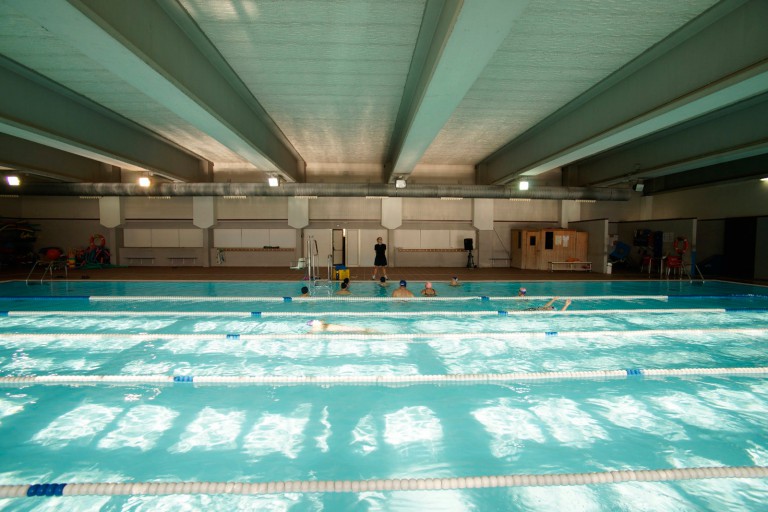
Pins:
x,y
344,290
549,305
323,326
455,281
428,291
402,292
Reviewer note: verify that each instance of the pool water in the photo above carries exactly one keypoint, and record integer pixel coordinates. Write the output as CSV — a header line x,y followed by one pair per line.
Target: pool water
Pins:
x,y
304,429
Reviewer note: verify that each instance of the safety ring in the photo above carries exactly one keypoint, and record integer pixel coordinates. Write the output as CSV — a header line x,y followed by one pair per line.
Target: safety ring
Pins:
x,y
681,245
98,240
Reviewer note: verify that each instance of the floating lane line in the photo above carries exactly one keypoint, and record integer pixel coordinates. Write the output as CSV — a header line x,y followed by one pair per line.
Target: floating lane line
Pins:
x,y
348,298
59,490
272,380
287,314
377,336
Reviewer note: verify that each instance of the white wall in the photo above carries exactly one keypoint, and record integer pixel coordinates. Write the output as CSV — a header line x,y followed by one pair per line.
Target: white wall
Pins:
x,y
70,221
742,199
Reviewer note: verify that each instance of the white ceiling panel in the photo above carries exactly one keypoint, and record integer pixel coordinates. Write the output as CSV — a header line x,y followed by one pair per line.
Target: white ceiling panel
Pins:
x,y
340,81
555,52
331,74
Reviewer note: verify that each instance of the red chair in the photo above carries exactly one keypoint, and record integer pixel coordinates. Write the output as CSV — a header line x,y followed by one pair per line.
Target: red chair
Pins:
x,y
675,264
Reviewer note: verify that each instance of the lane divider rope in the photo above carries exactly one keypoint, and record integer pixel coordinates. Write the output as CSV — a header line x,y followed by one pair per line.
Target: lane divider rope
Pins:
x,y
380,336
380,379
286,314
391,484
348,298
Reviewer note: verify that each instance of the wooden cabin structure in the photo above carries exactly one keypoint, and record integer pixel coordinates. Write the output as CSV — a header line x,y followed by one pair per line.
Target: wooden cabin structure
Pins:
x,y
539,249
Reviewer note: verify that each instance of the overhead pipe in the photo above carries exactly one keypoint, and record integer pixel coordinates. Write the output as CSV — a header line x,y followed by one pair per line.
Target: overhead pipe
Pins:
x,y
316,190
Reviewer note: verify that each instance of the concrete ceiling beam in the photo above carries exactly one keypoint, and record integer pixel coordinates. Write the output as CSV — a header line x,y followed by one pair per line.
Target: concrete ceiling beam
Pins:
x,y
140,43
456,42
35,109
712,63
742,132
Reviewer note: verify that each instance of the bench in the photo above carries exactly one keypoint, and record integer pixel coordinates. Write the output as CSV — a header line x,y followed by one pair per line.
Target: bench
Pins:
x,y
141,259
580,266
182,259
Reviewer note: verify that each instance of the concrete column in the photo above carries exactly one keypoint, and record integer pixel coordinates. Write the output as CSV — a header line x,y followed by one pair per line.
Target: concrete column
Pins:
x,y
482,220
204,211
298,212
111,213
570,211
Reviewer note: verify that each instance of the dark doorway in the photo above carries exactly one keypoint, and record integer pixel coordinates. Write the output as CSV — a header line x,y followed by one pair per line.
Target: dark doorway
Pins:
x,y
739,247
339,250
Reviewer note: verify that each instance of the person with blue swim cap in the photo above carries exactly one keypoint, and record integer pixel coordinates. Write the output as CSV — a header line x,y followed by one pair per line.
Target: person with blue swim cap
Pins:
x,y
402,292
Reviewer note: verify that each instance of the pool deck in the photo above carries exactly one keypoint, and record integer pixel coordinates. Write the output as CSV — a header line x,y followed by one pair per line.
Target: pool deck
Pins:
x,y
218,273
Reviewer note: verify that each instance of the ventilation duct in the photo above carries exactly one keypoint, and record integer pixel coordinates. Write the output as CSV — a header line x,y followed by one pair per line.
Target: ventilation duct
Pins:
x,y
318,190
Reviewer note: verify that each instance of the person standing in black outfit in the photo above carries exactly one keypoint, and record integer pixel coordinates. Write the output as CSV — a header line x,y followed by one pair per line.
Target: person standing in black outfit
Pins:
x,y
380,262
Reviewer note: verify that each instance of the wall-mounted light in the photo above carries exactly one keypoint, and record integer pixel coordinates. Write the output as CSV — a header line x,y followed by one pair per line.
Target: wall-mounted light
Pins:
x,y
13,181
523,185
399,183
273,181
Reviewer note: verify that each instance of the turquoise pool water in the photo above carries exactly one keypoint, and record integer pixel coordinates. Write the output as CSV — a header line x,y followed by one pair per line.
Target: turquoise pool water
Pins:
x,y
304,430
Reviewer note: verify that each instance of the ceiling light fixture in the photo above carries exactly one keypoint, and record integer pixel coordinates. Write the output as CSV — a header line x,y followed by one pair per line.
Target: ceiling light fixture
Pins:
x,y
523,185
764,179
273,181
399,183
144,182
13,181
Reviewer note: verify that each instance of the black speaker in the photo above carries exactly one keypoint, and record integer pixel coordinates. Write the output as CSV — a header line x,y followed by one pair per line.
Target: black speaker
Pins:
x,y
468,244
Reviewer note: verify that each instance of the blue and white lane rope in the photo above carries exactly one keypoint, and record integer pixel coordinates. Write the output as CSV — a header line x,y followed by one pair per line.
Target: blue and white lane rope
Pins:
x,y
377,336
380,379
288,314
310,336
381,485
351,298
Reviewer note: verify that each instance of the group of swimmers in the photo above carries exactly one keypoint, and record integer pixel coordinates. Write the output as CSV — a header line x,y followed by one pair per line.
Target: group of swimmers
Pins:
x,y
402,291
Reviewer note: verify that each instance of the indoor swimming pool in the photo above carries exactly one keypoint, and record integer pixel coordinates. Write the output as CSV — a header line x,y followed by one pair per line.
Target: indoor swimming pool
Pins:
x,y
648,395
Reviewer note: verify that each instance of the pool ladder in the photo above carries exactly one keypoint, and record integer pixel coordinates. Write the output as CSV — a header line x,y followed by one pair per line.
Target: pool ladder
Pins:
x,y
317,285
48,267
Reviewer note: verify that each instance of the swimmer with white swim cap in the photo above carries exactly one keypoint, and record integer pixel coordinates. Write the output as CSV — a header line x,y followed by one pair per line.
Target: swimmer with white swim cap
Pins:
x,y
323,326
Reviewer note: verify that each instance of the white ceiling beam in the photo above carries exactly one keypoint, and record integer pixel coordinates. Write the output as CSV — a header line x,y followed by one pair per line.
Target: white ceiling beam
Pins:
x,y
714,62
34,109
138,42
457,41
742,132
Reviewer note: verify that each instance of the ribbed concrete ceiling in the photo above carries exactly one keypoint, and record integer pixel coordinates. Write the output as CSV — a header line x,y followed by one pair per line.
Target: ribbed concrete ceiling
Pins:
x,y
322,91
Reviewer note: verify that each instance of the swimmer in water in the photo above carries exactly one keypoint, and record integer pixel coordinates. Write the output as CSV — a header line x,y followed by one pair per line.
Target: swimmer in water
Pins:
x,y
317,326
402,292
428,291
549,305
